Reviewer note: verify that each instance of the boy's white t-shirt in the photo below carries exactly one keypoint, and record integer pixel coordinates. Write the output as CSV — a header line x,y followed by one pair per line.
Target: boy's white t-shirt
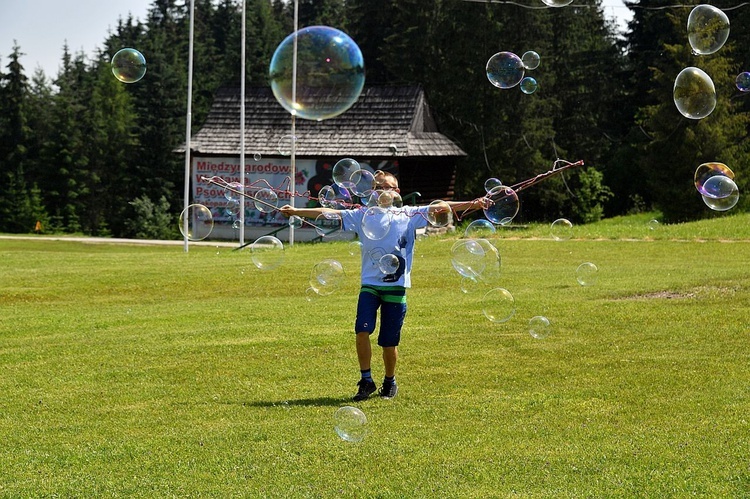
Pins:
x,y
398,241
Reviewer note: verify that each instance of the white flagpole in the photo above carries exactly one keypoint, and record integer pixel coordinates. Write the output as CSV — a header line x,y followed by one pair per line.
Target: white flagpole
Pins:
x,y
293,164
188,119
242,129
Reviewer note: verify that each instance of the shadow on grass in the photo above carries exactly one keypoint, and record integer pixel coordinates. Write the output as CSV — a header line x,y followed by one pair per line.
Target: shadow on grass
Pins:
x,y
315,402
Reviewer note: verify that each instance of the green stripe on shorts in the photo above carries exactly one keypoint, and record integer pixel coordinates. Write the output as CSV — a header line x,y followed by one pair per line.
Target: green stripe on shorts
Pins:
x,y
389,294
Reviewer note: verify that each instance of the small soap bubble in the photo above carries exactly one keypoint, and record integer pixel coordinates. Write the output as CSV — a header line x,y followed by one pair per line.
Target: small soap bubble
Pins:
x,y
491,183
743,81
557,3
694,93
439,213
233,207
721,193
469,284
128,65
539,327
342,173
295,221
479,229
355,248
257,156
503,206
498,305
587,274
653,224
196,222
708,29
388,264
505,70
310,294
530,59
561,229
376,223
326,277
233,190
267,252
350,424
330,72
285,144
529,85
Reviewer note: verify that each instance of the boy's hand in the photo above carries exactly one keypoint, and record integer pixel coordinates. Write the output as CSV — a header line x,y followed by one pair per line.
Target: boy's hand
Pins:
x,y
287,210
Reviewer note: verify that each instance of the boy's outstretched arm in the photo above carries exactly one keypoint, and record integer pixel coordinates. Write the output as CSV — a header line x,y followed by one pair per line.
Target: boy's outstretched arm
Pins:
x,y
289,210
474,204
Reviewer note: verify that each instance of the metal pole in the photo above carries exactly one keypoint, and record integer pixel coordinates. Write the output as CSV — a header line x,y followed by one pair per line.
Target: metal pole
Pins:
x,y
293,164
188,119
242,127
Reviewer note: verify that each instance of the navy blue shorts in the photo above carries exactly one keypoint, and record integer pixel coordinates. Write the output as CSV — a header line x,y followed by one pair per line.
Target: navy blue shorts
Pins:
x,y
392,303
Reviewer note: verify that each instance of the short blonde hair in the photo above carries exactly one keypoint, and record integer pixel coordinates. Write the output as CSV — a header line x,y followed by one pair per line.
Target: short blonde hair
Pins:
x,y
381,177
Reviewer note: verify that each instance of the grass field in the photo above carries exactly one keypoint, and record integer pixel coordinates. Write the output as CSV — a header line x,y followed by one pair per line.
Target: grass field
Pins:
x,y
146,371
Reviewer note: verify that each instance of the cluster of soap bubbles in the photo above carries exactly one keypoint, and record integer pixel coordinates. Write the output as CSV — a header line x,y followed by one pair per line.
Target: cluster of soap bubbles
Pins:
x,y
694,92
330,73
506,70
715,183
128,65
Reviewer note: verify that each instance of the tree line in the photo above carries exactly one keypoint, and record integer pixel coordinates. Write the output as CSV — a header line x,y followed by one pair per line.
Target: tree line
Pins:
x,y
84,153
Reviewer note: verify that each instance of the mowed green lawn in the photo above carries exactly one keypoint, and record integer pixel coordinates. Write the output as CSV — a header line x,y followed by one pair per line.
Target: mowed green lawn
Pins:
x,y
145,371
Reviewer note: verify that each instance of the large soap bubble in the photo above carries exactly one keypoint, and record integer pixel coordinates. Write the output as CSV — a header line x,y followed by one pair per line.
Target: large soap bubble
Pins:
x,y
721,193
708,29
350,424
266,200
267,252
503,205
196,222
707,170
439,213
505,70
498,305
376,222
363,183
468,258
326,277
128,65
694,93
342,173
330,72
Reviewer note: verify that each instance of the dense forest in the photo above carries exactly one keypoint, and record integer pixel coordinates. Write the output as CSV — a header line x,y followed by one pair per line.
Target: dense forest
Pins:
x,y
84,153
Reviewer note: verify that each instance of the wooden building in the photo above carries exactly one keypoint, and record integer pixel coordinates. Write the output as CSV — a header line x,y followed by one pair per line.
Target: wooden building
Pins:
x,y
390,128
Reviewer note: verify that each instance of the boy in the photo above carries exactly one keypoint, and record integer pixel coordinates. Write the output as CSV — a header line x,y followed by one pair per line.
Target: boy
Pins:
x,y
386,291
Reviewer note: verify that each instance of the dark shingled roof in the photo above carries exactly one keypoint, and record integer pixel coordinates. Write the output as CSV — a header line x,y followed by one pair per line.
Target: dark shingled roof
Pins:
x,y
386,121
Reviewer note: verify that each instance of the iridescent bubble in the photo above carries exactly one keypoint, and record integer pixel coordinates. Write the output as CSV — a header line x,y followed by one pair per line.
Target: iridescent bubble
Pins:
x,y
505,70
721,194
266,200
708,29
335,197
468,258
196,222
390,199
350,424
439,213
376,222
743,81
267,252
326,277
128,65
388,264
694,93
342,172
491,183
529,85
539,327
363,183
708,170
330,72
328,224
503,206
479,228
498,305
557,3
530,59
587,274
285,144
561,229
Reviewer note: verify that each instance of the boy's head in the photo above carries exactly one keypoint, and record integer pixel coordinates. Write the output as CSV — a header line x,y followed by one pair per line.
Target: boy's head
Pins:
x,y
385,181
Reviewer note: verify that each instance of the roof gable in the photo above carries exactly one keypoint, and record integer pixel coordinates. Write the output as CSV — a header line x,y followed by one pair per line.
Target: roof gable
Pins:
x,y
386,121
